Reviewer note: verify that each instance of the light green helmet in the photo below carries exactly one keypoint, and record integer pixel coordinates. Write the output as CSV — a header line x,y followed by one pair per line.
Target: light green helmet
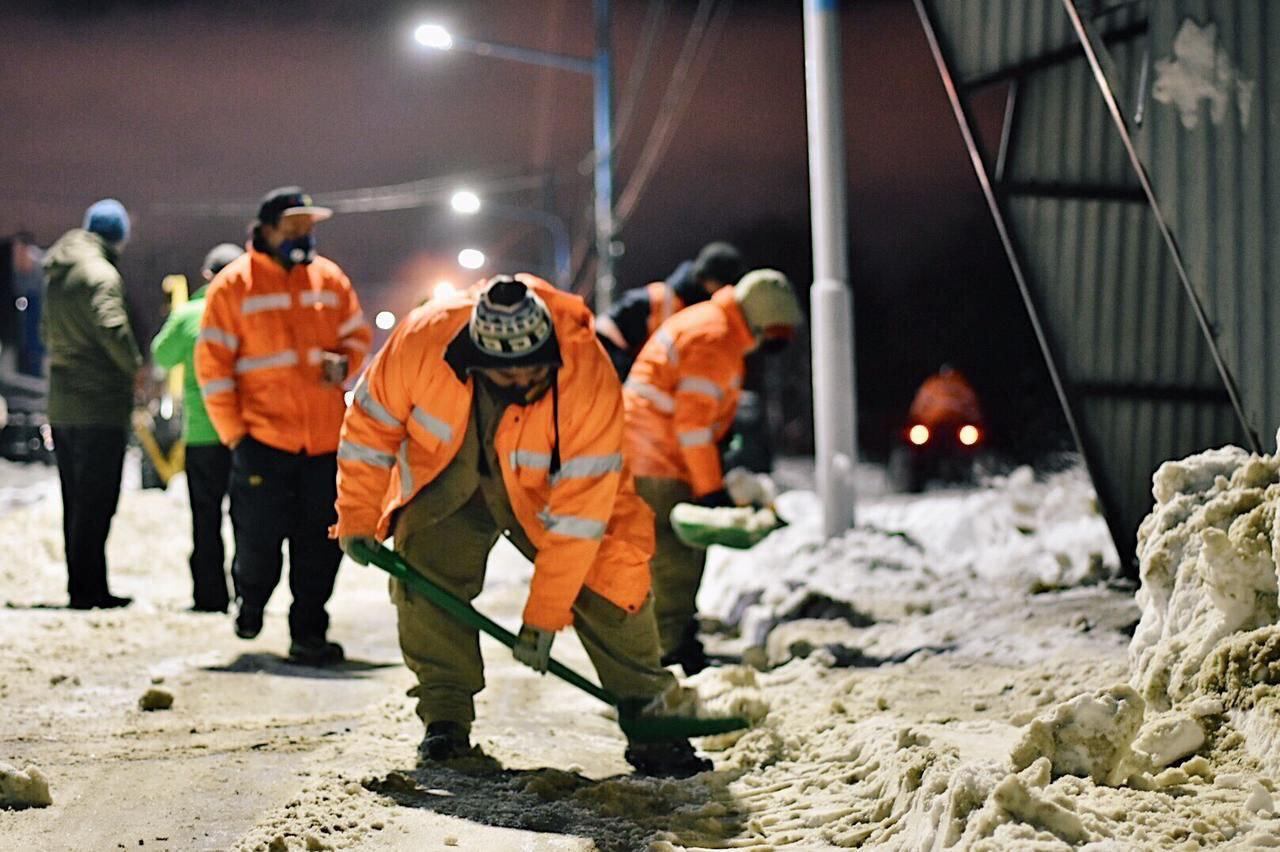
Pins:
x,y
768,301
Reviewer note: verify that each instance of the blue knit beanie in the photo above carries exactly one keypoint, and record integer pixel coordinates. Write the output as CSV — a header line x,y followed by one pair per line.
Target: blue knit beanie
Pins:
x,y
108,219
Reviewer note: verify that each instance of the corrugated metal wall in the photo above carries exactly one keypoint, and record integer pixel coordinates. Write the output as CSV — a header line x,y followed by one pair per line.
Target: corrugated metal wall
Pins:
x,y
1136,371
1215,166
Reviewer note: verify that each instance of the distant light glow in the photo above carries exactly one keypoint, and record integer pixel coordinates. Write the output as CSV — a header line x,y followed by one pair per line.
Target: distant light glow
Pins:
x,y
465,201
969,435
348,396
384,320
433,36
166,408
20,303
443,290
471,258
919,434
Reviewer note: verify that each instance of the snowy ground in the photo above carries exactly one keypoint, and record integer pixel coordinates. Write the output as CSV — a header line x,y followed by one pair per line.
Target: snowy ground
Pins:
x,y
955,673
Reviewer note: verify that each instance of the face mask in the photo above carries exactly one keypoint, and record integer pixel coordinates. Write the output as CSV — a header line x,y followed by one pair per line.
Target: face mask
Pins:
x,y
298,250
519,394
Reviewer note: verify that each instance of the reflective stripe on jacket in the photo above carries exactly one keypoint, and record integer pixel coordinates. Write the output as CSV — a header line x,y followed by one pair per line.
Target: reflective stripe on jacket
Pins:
x,y
258,358
408,421
663,305
682,393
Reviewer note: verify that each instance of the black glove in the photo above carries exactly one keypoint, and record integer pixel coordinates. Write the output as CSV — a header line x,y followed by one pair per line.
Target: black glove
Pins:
x,y
715,500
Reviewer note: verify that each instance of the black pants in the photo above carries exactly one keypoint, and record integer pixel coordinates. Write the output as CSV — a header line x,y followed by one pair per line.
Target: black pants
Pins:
x,y
208,472
276,496
90,459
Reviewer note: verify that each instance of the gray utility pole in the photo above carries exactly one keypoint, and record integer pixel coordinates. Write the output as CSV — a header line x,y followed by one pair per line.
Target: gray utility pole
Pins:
x,y
606,285
831,302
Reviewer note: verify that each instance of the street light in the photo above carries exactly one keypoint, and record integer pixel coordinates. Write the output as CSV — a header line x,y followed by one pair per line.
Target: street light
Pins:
x,y
468,203
384,320
465,201
600,68
433,36
470,258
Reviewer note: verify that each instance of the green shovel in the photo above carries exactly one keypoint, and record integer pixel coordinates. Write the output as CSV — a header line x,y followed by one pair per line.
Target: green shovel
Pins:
x,y
638,726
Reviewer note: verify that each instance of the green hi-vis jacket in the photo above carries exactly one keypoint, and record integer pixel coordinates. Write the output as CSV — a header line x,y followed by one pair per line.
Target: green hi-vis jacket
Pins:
x,y
176,344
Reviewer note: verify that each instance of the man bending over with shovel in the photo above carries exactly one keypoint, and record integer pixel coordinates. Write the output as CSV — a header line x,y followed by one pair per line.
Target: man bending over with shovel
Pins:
x,y
493,413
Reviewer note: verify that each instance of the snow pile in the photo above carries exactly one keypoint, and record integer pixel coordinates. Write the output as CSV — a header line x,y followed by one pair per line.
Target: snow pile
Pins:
x,y
913,555
23,789
1209,594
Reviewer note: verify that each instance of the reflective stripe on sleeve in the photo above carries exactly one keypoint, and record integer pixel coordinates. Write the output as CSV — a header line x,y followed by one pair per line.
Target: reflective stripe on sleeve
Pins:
x,y
662,401
406,473
220,337
702,385
585,466
432,424
695,438
217,386
668,343
353,324
351,451
285,358
572,526
376,410
267,302
355,344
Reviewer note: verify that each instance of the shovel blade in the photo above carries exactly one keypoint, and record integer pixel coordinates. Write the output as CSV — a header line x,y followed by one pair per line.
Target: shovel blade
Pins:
x,y
644,728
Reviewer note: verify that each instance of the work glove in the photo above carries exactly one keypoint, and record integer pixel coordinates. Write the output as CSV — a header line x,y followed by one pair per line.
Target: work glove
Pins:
x,y
368,541
334,367
750,489
715,500
533,647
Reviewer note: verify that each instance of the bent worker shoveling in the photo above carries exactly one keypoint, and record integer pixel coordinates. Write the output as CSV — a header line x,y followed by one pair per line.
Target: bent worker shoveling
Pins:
x,y
496,414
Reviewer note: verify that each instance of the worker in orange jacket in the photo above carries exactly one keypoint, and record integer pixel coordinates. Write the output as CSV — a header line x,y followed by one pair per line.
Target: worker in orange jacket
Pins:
x,y
680,399
634,318
496,413
282,330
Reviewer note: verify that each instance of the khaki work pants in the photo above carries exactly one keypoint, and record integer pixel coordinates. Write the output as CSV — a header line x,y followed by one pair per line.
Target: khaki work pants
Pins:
x,y
677,567
445,654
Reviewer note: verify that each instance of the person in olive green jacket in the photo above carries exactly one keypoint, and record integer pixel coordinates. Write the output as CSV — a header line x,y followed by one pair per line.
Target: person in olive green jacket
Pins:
x,y
93,361
208,462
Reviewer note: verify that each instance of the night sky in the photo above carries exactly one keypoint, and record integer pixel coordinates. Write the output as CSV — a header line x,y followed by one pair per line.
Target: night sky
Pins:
x,y
166,105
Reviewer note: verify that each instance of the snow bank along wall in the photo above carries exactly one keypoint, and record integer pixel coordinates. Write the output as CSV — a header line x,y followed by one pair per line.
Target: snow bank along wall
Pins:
x,y
1151,301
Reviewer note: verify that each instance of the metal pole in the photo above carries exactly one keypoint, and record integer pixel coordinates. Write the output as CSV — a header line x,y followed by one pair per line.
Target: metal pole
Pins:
x,y
834,412
603,127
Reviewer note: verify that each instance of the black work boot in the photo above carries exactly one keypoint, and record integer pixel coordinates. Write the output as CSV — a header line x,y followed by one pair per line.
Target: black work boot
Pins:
x,y
666,759
248,619
445,740
689,654
315,651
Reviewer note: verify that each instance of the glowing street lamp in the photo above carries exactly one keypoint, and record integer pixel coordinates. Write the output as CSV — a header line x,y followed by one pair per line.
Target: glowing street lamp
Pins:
x,y
433,36
384,320
465,201
471,258
600,69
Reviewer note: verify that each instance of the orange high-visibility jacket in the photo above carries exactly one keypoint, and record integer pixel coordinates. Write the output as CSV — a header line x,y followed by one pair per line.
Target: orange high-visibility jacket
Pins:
x,y
664,303
258,355
682,393
945,398
409,419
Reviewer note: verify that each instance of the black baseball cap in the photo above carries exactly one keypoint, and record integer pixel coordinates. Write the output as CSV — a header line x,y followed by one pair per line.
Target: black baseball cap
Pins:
x,y
289,201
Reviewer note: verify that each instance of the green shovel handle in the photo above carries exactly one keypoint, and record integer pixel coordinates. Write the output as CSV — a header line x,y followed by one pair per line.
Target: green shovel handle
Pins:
x,y
394,564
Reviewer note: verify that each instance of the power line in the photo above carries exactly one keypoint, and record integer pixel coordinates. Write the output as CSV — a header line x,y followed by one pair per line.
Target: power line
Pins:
x,y
699,45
